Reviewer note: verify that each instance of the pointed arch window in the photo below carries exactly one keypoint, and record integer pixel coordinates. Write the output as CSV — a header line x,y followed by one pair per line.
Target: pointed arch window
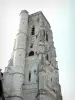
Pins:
x,y
31,53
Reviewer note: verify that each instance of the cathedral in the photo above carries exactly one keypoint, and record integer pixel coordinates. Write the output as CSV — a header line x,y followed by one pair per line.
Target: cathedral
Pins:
x,y
32,72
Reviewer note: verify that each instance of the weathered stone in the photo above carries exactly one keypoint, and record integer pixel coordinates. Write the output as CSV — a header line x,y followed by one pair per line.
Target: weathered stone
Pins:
x,y
32,73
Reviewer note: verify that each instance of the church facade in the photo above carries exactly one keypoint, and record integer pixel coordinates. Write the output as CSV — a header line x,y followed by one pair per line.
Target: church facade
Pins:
x,y
32,72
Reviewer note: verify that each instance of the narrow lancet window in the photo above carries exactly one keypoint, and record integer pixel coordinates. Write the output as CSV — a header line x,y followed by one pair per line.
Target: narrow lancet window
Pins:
x,y
29,76
46,37
44,33
47,57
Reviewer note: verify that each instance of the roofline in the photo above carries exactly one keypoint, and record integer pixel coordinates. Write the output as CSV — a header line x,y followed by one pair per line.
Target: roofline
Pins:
x,y
40,12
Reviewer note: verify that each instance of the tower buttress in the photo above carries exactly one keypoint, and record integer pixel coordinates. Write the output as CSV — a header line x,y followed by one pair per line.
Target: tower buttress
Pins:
x,y
15,73
19,57
21,38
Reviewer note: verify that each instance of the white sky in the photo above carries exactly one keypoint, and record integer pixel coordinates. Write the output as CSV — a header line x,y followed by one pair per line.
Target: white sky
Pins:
x,y
60,14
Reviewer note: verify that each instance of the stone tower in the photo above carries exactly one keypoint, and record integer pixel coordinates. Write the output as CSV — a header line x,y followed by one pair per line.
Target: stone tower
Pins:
x,y
32,72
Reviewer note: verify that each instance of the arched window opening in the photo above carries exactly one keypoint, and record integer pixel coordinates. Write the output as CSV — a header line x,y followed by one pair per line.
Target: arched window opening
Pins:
x,y
29,76
31,53
46,37
31,46
33,30
47,57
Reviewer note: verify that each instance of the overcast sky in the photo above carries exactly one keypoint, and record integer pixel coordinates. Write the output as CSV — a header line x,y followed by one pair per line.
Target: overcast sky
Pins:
x,y
61,16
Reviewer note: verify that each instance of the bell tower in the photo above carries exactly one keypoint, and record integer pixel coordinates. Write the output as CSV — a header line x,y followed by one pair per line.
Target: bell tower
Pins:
x,y
32,72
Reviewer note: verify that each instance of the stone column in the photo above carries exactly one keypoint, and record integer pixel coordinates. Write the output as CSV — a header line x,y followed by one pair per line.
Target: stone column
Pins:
x,y
20,44
19,58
